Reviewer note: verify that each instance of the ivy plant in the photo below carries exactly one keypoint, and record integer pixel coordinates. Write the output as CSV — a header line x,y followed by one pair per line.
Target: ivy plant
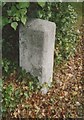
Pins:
x,y
16,12
63,14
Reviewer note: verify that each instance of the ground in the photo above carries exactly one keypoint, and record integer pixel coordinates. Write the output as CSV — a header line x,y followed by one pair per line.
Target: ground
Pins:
x,y
63,100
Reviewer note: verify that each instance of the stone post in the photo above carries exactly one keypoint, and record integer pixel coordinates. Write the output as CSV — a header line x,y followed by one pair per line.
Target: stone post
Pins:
x,y
36,48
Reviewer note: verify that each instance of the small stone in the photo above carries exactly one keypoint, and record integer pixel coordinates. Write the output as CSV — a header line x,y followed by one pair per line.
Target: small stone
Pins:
x,y
78,104
65,93
76,88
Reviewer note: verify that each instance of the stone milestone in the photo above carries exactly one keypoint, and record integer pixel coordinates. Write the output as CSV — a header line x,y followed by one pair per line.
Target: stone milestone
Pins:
x,y
36,48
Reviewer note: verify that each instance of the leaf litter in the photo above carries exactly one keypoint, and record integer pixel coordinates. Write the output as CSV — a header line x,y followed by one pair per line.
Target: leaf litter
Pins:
x,y
63,100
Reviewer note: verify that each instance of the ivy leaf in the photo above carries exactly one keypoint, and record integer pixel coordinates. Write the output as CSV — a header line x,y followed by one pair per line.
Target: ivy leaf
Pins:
x,y
14,25
24,19
23,11
9,12
42,4
12,11
26,94
4,21
3,3
24,4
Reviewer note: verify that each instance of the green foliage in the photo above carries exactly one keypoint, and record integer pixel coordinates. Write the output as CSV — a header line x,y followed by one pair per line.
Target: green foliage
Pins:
x,y
15,13
31,81
11,94
23,5
42,4
8,98
7,67
64,15
23,20
14,25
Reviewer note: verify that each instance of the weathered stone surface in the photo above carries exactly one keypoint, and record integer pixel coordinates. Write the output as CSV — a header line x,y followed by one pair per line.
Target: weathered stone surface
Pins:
x,y
36,46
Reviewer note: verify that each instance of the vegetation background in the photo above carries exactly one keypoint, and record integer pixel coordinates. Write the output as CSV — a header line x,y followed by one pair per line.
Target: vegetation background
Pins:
x,y
21,91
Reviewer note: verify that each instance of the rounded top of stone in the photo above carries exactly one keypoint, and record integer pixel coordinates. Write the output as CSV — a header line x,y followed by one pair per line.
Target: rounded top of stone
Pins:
x,y
41,25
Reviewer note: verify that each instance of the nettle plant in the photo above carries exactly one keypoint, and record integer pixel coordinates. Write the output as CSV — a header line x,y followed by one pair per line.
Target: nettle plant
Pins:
x,y
63,14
